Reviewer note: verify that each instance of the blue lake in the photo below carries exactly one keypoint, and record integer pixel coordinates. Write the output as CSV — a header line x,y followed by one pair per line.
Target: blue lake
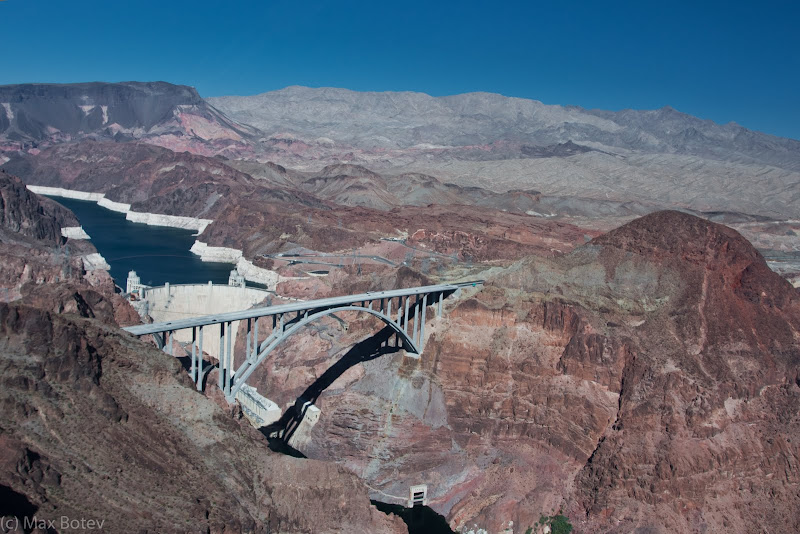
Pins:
x,y
158,254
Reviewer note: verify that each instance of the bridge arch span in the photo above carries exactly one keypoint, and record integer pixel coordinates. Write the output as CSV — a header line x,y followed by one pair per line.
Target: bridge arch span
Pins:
x,y
247,368
409,327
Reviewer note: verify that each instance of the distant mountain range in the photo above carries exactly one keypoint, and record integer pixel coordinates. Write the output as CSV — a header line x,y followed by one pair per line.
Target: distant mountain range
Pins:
x,y
662,158
401,120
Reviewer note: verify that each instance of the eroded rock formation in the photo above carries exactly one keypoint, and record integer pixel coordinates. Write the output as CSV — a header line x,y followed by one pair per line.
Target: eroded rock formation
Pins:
x,y
647,380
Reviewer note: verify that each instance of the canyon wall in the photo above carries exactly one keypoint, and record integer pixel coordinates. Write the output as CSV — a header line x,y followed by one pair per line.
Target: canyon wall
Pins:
x,y
648,380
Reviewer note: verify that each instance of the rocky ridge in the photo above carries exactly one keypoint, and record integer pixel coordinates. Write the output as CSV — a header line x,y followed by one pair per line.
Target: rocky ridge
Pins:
x,y
500,143
647,380
408,119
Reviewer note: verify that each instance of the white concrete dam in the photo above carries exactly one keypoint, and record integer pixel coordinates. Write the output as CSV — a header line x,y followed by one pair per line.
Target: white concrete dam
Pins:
x,y
184,301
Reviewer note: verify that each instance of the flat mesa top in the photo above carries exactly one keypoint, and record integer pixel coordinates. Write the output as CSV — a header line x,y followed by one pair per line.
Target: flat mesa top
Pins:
x,y
140,330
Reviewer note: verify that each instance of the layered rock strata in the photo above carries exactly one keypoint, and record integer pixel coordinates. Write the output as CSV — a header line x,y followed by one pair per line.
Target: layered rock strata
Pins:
x,y
647,380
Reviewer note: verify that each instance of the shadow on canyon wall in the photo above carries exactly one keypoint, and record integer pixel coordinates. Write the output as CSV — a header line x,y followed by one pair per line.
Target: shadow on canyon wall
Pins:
x,y
280,432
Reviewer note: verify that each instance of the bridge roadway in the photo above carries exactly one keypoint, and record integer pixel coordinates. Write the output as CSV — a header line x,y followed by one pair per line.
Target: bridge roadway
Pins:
x,y
409,327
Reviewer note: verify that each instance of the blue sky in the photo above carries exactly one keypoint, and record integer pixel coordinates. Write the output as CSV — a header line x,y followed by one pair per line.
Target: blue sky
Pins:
x,y
725,61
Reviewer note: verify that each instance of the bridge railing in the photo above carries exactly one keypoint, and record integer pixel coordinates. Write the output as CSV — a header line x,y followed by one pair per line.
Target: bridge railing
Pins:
x,y
393,307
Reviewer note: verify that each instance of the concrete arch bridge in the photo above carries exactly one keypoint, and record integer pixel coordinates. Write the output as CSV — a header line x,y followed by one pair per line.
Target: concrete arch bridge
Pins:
x,y
402,310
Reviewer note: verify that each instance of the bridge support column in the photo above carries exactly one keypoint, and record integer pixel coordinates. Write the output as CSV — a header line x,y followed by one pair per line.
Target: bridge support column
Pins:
x,y
249,328
255,341
415,331
439,305
399,311
389,309
221,365
229,360
193,370
421,342
405,317
200,363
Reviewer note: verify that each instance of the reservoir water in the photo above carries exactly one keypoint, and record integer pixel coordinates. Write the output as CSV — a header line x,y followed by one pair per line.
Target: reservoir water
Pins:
x,y
158,254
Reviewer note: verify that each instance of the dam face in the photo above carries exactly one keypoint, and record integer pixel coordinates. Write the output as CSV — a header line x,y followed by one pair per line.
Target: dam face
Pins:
x,y
183,301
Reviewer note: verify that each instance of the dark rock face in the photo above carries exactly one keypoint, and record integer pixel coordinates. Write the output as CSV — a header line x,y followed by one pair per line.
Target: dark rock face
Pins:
x,y
93,418
34,252
83,108
37,115
27,214
704,438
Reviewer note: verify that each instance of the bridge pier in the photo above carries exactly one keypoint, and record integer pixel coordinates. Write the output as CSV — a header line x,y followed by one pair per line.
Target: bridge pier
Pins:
x,y
226,357
421,340
199,370
221,359
405,317
247,336
415,329
193,369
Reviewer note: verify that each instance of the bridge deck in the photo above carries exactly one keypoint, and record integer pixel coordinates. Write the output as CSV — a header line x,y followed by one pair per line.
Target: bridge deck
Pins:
x,y
145,329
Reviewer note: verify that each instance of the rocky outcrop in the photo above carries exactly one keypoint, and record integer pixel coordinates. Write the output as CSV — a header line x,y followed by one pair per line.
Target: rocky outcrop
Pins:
x,y
99,303
49,270
704,435
35,249
93,418
26,214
